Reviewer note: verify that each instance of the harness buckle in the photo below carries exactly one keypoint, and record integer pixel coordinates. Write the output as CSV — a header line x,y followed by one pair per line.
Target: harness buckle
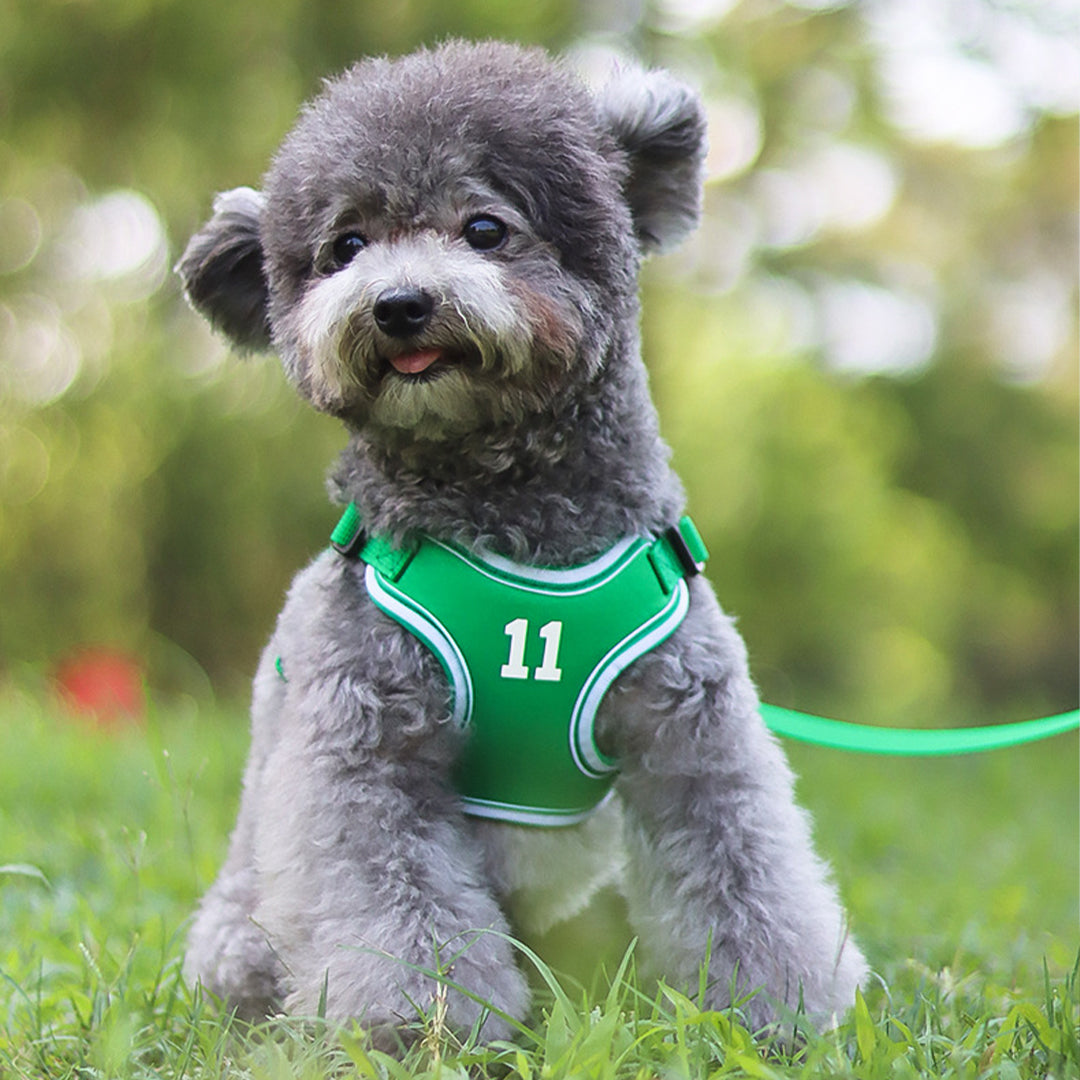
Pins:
x,y
681,549
349,537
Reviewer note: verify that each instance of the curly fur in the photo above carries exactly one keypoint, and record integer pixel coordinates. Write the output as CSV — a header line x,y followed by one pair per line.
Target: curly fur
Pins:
x,y
352,864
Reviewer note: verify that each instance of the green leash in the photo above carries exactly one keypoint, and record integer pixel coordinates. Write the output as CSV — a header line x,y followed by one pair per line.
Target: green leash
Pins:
x,y
912,742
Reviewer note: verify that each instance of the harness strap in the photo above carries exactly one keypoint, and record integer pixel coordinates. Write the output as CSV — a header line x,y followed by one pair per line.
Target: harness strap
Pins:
x,y
678,553
350,540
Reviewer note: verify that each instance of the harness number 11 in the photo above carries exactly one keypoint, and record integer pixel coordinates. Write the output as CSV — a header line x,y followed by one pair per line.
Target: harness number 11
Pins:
x,y
517,630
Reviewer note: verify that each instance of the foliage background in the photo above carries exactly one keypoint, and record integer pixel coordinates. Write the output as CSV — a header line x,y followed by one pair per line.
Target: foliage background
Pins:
x,y
864,362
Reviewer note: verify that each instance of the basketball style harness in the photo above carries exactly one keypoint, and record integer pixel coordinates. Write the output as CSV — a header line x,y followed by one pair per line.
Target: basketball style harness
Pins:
x,y
530,653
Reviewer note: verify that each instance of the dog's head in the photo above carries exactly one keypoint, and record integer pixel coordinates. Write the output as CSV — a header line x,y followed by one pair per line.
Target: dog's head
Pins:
x,y
451,239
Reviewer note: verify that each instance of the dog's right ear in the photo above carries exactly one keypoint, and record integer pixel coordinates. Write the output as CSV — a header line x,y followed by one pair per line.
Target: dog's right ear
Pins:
x,y
222,270
660,125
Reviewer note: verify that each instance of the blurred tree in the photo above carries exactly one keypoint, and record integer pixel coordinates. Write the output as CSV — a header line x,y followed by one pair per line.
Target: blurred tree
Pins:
x,y
864,361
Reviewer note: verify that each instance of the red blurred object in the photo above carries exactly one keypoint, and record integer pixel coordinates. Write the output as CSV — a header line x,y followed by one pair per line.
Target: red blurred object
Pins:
x,y
104,685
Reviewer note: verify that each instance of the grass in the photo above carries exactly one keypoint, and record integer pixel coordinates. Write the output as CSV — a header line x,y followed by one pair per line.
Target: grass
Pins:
x,y
961,875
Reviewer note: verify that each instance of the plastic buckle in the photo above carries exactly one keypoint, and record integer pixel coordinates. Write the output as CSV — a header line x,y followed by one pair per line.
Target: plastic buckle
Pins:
x,y
348,537
351,548
682,551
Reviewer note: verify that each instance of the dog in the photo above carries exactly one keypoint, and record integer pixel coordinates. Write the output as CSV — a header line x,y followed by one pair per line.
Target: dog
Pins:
x,y
444,254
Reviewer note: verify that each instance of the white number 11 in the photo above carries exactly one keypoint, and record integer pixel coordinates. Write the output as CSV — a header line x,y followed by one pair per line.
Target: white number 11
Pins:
x,y
518,632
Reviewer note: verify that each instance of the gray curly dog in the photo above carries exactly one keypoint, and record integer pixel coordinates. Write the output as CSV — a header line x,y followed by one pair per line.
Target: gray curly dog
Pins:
x,y
444,254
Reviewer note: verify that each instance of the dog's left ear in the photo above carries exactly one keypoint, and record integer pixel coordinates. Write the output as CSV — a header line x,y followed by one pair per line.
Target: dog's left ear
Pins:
x,y
222,270
660,124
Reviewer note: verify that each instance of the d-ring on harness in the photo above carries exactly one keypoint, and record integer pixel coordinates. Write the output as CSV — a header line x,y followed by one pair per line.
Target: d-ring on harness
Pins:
x,y
529,653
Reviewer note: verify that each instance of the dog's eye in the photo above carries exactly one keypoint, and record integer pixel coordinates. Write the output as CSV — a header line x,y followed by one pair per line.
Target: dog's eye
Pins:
x,y
484,233
346,247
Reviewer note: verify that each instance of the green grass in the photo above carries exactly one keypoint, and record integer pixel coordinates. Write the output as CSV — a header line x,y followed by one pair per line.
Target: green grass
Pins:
x,y
961,876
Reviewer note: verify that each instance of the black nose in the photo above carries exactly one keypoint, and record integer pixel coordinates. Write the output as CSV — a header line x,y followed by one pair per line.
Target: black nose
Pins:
x,y
403,312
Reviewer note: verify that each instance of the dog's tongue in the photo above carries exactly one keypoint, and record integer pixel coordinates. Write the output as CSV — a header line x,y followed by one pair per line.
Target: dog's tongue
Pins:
x,y
415,362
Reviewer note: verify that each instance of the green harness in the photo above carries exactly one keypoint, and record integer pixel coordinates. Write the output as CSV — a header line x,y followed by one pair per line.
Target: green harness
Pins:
x,y
530,653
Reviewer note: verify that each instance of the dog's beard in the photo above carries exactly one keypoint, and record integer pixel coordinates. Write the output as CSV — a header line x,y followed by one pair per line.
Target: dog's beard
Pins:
x,y
473,384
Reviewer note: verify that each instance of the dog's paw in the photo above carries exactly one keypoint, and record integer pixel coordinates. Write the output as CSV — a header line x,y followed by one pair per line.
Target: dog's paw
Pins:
x,y
475,986
230,956
499,986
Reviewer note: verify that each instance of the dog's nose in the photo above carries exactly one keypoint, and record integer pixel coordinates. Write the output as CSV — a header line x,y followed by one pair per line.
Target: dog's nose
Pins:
x,y
403,312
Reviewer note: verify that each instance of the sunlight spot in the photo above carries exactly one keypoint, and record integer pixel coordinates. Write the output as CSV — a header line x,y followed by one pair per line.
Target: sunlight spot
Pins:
x,y
1028,324
41,355
1045,67
719,251
681,16
975,74
867,329
854,186
782,315
818,5
735,137
822,99
119,239
951,98
790,212
837,186
20,235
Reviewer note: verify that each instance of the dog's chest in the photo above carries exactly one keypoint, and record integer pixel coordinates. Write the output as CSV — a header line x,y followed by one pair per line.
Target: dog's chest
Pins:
x,y
545,876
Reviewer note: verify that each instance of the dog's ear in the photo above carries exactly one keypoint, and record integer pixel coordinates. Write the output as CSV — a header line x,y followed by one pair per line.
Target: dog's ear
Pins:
x,y
222,270
660,124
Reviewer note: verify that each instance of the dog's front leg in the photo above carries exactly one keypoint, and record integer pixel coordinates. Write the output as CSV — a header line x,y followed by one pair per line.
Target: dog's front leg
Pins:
x,y
720,855
368,880
227,951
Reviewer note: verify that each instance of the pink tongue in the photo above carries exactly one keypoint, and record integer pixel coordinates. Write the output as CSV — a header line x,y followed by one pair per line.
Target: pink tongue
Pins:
x,y
415,362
